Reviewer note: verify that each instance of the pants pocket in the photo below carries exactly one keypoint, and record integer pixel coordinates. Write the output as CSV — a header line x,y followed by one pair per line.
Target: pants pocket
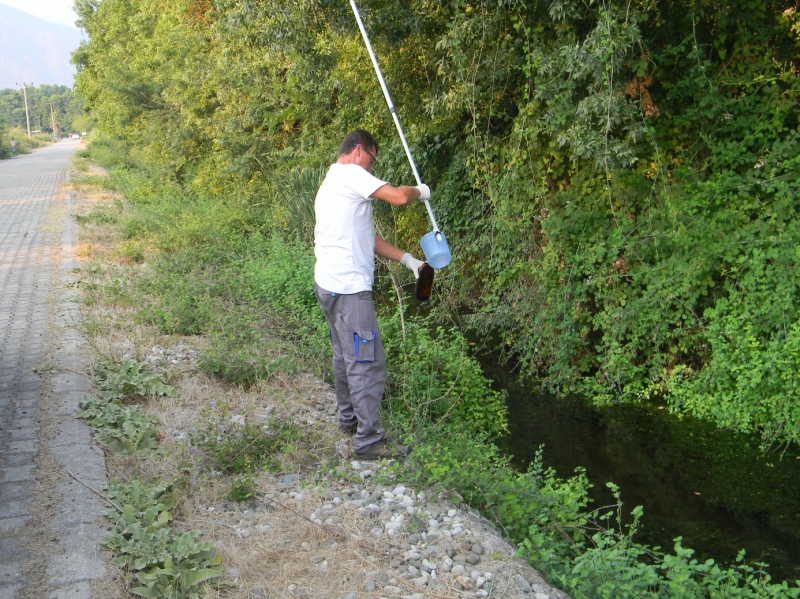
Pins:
x,y
364,344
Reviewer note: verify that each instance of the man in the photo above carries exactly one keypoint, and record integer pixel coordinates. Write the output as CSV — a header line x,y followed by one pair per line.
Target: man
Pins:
x,y
345,245
13,147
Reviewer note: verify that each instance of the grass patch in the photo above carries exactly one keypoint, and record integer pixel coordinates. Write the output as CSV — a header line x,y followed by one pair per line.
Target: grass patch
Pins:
x,y
235,445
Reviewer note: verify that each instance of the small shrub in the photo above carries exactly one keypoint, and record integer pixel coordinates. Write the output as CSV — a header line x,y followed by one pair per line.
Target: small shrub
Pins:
x,y
234,445
242,488
434,379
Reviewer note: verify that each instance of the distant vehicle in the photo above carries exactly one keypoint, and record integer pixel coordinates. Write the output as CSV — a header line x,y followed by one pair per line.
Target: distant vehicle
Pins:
x,y
75,136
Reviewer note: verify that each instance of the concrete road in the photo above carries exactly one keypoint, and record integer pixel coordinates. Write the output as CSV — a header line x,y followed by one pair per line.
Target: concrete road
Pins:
x,y
49,537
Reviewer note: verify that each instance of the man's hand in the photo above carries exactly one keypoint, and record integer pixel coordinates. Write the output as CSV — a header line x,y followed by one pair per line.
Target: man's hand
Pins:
x,y
411,263
424,191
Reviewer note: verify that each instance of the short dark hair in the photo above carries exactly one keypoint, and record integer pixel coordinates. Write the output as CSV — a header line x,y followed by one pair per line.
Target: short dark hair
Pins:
x,y
354,138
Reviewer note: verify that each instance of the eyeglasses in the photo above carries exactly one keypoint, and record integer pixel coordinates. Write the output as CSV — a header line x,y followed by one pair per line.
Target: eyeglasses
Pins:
x,y
371,155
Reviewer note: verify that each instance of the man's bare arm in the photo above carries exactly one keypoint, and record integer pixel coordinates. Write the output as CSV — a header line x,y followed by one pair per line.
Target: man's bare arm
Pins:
x,y
386,250
397,196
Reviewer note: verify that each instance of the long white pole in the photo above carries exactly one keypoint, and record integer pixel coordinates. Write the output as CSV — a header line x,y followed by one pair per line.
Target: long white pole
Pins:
x,y
27,118
392,109
53,122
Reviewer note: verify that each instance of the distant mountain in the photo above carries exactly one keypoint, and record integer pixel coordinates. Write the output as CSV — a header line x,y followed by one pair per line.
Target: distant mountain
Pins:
x,y
33,50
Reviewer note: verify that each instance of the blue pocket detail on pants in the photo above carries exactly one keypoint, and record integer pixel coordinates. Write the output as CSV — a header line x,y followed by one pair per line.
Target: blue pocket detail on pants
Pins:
x,y
364,344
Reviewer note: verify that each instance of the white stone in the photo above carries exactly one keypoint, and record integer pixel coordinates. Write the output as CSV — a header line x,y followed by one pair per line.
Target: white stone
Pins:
x,y
291,588
356,465
392,590
452,513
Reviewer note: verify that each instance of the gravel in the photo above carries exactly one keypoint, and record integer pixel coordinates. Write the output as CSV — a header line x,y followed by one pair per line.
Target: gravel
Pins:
x,y
433,546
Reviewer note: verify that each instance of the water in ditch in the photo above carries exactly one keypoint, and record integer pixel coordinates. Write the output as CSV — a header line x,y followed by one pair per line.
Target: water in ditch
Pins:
x,y
716,489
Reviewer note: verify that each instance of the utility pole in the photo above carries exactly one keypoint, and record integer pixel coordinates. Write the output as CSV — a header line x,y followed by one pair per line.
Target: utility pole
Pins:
x,y
25,95
53,122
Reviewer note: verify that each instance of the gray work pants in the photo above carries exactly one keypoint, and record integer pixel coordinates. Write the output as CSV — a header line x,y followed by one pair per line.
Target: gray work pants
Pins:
x,y
359,364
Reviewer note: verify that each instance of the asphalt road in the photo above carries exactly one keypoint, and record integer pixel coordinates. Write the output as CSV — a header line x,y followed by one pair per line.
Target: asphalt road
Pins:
x,y
49,538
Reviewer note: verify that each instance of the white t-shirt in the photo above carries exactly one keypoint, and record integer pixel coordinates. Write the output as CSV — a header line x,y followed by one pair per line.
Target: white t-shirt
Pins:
x,y
344,236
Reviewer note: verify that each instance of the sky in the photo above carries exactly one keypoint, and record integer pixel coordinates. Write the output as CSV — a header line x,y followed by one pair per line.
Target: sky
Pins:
x,y
55,11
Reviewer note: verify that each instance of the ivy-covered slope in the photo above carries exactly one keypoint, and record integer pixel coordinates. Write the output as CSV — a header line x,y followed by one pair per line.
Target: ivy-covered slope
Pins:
x,y
618,180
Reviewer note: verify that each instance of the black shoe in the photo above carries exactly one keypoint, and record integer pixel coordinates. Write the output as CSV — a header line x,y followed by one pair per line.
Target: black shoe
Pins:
x,y
383,449
349,429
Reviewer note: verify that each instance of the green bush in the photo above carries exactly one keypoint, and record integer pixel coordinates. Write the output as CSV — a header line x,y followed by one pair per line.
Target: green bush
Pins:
x,y
434,379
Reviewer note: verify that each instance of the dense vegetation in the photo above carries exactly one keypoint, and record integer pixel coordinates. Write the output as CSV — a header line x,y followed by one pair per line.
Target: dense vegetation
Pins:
x,y
193,265
617,181
68,115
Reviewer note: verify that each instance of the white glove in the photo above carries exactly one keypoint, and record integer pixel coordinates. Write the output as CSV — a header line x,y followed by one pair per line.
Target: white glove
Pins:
x,y
424,191
411,263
